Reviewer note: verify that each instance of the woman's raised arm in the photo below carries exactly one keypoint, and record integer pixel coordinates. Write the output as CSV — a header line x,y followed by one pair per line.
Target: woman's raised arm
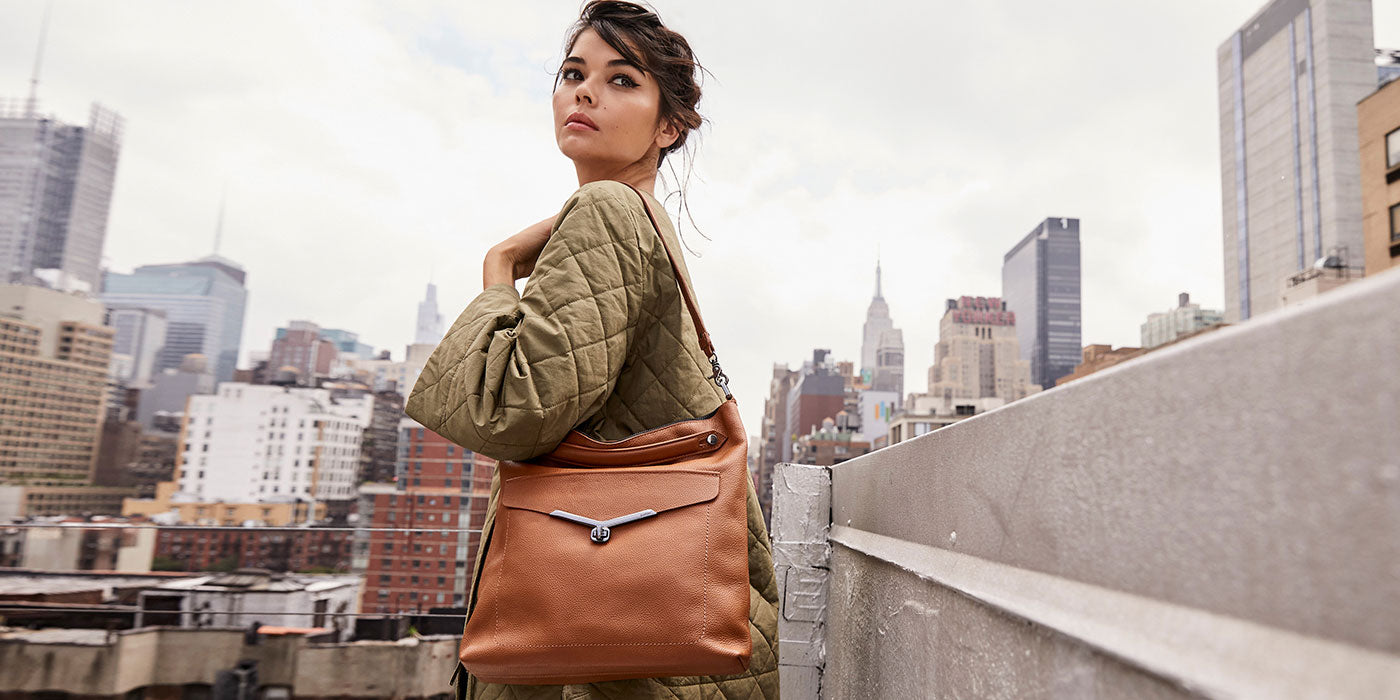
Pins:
x,y
516,372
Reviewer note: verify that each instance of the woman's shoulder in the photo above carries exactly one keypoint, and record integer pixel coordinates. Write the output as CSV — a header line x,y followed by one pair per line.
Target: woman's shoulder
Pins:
x,y
611,196
605,193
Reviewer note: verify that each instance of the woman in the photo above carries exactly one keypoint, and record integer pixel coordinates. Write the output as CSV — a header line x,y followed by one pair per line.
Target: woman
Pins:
x,y
600,339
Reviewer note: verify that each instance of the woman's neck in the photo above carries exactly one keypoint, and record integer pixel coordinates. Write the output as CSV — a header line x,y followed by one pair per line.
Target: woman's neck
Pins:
x,y
641,175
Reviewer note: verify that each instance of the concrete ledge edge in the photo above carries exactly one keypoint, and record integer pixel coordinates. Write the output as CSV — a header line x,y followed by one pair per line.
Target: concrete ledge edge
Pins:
x,y
1206,653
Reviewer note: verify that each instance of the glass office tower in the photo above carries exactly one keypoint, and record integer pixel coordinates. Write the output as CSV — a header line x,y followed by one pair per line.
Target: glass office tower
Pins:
x,y
1040,284
203,302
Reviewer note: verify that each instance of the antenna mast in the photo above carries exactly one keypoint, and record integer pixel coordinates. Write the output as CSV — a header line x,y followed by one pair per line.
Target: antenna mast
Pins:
x,y
32,103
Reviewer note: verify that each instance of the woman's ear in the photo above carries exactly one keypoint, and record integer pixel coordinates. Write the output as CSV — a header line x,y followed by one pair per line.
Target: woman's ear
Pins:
x,y
667,133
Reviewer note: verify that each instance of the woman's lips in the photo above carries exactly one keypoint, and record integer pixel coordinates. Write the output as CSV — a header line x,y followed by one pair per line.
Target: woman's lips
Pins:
x,y
578,121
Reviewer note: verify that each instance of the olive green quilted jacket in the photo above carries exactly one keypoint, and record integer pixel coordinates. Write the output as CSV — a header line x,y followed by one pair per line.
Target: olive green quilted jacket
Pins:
x,y
600,340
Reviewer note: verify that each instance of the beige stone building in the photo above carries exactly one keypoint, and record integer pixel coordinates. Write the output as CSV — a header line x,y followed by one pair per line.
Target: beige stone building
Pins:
x,y
1378,118
978,355
220,512
54,358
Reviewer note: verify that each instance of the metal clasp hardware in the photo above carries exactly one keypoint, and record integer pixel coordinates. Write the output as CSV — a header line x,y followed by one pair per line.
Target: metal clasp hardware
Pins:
x,y
712,439
719,376
601,530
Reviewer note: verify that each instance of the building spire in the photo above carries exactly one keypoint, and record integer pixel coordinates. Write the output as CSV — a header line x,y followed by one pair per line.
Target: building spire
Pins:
x,y
219,228
878,295
32,104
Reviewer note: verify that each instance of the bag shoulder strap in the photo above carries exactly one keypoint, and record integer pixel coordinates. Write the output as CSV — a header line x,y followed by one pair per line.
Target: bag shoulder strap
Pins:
x,y
706,346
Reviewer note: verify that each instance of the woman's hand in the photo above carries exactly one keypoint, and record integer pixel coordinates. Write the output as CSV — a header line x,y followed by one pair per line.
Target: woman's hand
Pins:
x,y
514,258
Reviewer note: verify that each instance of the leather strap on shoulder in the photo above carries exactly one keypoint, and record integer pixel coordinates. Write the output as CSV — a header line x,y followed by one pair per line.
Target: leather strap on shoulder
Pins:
x,y
705,344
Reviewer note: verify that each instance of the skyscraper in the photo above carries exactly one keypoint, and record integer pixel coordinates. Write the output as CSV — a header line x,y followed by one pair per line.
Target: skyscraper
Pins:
x,y
1290,79
429,330
203,301
877,320
55,193
882,346
1040,283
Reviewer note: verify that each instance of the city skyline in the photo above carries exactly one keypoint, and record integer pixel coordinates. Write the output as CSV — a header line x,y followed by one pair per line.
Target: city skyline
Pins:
x,y
361,160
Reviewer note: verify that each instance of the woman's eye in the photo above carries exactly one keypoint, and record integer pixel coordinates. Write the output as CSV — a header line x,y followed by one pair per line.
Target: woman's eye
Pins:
x,y
571,74
624,80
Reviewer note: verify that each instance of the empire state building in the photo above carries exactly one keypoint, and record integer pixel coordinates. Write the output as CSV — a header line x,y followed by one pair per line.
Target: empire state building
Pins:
x,y
882,346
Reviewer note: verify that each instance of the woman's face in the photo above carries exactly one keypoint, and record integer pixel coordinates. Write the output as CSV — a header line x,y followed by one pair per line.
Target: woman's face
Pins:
x,y
606,108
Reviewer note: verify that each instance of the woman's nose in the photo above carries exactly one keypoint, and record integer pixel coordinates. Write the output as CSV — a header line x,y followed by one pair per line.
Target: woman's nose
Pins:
x,y
582,93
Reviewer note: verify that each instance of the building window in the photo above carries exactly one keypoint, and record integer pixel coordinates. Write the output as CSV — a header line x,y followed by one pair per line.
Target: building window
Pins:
x,y
1392,150
1395,223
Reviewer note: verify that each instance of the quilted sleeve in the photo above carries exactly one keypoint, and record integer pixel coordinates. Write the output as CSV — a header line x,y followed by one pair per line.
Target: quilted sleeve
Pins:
x,y
517,371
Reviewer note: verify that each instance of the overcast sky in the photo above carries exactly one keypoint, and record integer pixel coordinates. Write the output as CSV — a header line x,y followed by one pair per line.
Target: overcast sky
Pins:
x,y
368,147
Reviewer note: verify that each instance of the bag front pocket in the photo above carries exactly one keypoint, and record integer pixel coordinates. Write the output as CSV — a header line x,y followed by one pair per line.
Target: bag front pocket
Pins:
x,y
589,554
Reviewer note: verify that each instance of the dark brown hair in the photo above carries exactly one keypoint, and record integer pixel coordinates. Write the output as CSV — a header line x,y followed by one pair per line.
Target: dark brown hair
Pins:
x,y
636,32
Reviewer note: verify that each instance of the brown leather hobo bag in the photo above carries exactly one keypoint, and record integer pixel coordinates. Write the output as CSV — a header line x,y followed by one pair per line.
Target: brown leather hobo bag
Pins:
x,y
620,559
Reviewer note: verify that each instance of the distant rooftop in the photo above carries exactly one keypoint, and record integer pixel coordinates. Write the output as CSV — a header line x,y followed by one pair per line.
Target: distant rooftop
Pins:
x,y
260,580
16,582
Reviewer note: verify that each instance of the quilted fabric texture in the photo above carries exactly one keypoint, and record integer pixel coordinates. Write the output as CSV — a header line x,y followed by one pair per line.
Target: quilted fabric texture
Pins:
x,y
600,340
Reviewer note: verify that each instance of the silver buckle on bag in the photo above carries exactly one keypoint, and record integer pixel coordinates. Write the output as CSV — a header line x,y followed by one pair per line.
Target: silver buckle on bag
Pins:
x,y
602,529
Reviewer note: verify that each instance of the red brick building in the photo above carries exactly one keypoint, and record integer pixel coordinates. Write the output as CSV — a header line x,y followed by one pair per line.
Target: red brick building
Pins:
x,y
200,549
301,347
439,485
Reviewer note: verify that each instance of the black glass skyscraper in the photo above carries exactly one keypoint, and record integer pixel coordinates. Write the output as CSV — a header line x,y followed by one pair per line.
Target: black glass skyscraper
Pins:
x,y
1040,283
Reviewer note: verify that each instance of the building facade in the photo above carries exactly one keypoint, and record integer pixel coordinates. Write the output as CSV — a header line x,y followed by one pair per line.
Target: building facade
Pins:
x,y
439,485
203,301
925,413
773,435
168,507
1187,317
55,193
1289,81
261,443
1040,282
978,354
301,347
138,336
54,353
161,406
54,356
882,346
1378,118
307,550
829,445
818,392
69,546
428,330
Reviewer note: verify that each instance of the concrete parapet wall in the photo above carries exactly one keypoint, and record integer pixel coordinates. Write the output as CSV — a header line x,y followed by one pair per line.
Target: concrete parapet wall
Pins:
x,y
801,558
1218,518
165,657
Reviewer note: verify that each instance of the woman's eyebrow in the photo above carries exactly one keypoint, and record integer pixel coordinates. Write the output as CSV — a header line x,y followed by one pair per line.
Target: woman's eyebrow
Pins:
x,y
614,62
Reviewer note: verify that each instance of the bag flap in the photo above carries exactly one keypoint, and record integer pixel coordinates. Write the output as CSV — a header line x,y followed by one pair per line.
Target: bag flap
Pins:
x,y
603,494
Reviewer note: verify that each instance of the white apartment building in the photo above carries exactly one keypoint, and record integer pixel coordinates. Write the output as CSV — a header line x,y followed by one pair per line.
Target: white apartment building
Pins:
x,y
1164,327
261,443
